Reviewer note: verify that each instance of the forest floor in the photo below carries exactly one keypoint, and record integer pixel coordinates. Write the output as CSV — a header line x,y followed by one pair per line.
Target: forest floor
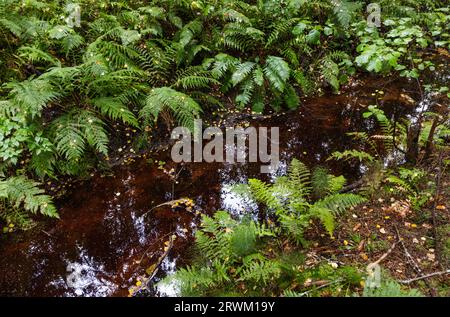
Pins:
x,y
400,240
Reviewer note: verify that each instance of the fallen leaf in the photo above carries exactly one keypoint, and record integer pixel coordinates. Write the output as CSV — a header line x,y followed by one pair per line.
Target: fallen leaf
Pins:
x,y
357,227
361,245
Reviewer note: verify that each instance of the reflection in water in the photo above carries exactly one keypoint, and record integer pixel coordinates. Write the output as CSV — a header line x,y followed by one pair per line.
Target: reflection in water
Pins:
x,y
87,277
105,244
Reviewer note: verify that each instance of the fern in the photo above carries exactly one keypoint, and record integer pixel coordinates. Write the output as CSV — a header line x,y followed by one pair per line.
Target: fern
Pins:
x,y
22,192
325,215
74,131
352,154
290,198
260,271
345,11
115,109
277,72
263,193
385,124
184,108
31,96
34,55
300,177
195,78
339,203
229,252
280,28
241,37
330,67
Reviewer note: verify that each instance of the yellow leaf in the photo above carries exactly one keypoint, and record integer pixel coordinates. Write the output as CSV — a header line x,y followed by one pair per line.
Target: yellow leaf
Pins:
x,y
150,269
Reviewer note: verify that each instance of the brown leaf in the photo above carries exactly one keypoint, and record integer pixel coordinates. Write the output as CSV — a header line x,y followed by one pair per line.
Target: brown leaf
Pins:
x,y
361,245
357,227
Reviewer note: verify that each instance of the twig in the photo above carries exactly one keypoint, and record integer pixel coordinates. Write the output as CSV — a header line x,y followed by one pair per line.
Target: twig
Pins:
x,y
47,233
425,276
146,281
413,263
436,199
159,239
319,287
352,186
161,258
163,204
382,257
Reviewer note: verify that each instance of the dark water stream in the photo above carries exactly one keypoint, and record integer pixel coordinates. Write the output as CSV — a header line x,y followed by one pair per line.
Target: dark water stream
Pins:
x,y
101,237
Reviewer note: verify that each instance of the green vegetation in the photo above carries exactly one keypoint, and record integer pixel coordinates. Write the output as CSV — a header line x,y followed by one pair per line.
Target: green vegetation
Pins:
x,y
67,90
253,254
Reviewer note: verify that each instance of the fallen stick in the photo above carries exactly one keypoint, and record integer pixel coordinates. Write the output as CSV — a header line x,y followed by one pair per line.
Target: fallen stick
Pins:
x,y
382,257
424,277
319,287
160,259
413,263
409,257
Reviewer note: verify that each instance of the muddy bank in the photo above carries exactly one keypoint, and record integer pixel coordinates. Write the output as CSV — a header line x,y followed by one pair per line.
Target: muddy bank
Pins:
x,y
101,237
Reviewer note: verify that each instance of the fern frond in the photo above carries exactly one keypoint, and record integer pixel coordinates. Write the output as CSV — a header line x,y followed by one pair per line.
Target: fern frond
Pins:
x,y
279,28
242,72
260,271
352,154
34,55
115,109
339,203
23,192
300,177
185,109
241,37
77,129
345,10
277,72
400,184
31,96
324,183
195,78
325,216
263,193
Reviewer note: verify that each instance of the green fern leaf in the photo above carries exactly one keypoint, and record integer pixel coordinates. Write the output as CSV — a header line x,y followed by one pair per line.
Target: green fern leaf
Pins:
x,y
23,192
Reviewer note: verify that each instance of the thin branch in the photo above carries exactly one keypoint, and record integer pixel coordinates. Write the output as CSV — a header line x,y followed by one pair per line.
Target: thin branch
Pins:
x,y
382,257
425,276
413,263
321,286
